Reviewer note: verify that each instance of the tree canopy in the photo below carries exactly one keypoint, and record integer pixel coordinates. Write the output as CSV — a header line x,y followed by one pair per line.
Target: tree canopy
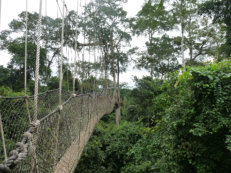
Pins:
x,y
174,120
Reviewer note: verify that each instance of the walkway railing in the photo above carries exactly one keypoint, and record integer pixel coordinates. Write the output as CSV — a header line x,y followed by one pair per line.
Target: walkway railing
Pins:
x,y
61,132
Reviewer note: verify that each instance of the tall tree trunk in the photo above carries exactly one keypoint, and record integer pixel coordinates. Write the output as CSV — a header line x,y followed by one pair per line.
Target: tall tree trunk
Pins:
x,y
151,70
150,36
118,110
105,73
112,61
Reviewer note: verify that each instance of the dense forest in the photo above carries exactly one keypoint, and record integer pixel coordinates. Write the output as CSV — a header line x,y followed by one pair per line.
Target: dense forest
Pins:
x,y
177,119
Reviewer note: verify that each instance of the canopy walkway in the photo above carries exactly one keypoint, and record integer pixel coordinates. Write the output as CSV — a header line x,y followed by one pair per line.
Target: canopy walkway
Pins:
x,y
60,132
47,132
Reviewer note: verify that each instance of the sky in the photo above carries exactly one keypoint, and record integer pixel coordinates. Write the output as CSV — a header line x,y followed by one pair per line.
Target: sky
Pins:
x,y
11,9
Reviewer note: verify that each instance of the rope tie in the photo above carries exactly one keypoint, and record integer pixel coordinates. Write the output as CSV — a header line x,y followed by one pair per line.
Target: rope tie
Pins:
x,y
60,108
35,124
22,149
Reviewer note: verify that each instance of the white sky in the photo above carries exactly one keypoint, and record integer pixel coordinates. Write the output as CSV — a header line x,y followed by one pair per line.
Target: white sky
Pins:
x,y
11,9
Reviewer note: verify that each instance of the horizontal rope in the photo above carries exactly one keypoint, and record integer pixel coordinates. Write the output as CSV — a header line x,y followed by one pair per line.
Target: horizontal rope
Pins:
x,y
23,148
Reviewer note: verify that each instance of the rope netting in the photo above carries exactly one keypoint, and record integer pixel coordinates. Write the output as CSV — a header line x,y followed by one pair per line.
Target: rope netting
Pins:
x,y
44,132
57,128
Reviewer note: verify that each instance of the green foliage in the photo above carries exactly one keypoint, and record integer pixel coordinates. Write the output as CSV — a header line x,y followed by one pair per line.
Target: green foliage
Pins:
x,y
159,58
153,16
189,126
108,25
148,100
17,62
13,40
220,11
196,124
4,76
108,147
8,92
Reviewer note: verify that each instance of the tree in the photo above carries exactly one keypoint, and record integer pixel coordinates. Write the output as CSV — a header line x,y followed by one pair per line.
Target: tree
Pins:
x,y
5,77
165,54
15,68
203,39
50,39
152,19
220,11
105,23
198,34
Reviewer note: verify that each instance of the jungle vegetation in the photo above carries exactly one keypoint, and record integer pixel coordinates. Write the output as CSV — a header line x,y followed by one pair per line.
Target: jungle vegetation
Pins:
x,y
175,120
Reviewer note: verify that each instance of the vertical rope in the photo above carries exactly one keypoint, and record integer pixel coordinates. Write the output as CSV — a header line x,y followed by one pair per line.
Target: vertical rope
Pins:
x,y
45,7
60,86
37,63
94,51
25,68
61,58
83,55
3,138
35,118
89,66
25,64
95,71
83,69
182,34
1,124
57,10
75,70
67,68
76,40
0,13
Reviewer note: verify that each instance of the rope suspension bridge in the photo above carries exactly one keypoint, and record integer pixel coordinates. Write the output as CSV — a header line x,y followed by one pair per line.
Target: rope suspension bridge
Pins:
x,y
61,132
47,132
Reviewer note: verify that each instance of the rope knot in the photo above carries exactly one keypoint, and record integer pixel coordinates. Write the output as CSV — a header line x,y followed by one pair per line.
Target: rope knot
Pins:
x,y
60,108
26,97
20,146
35,124
4,168
73,95
28,135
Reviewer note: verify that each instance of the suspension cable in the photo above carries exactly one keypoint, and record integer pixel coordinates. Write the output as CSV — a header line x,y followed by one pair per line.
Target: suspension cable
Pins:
x,y
61,59
35,118
76,40
37,62
45,7
25,64
59,9
1,124
25,68
0,13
